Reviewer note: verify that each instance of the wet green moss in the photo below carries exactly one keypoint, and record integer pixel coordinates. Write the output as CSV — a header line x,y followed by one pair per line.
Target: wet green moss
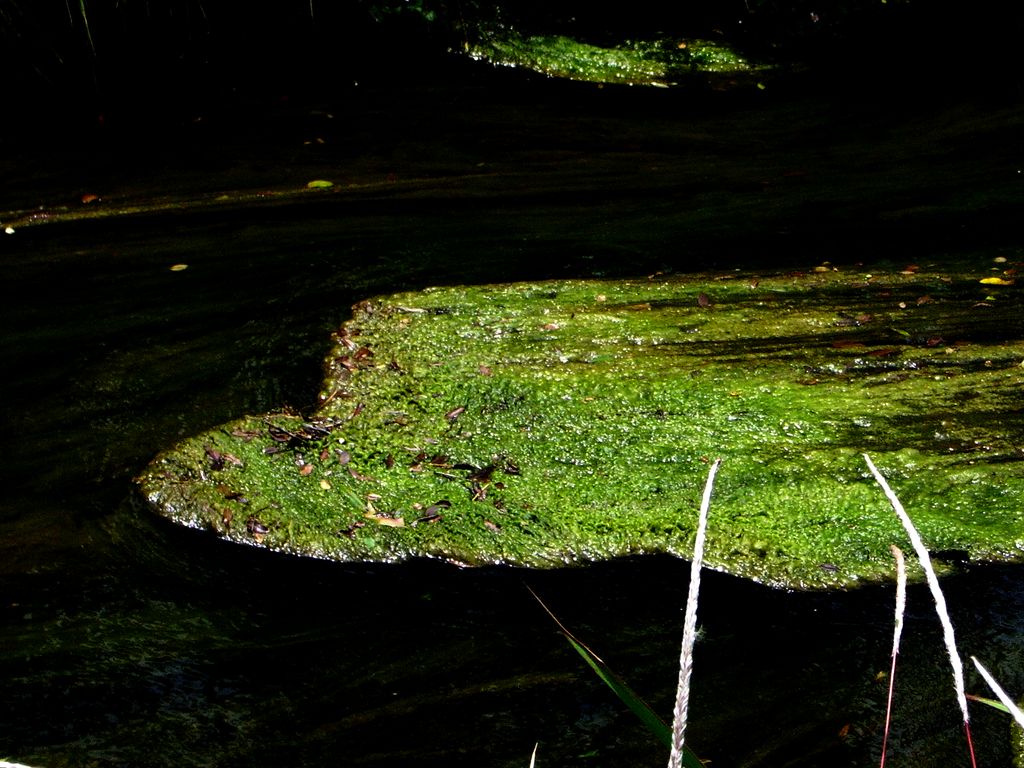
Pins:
x,y
562,422
655,62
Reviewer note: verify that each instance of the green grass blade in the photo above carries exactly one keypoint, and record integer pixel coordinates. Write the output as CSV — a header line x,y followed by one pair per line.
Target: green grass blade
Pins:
x,y
640,708
990,702
1004,698
85,22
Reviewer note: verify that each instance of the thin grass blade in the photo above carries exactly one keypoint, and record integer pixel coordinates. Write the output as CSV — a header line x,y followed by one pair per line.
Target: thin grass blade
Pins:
x,y
626,695
85,23
948,635
679,713
1007,702
639,707
994,703
901,604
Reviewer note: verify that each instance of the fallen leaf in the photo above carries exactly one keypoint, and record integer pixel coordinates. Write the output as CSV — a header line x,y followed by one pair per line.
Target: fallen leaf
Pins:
x,y
255,527
216,459
390,522
995,281
179,267
320,184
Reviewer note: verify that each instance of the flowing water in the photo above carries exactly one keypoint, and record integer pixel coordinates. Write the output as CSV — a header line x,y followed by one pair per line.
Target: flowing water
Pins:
x,y
126,641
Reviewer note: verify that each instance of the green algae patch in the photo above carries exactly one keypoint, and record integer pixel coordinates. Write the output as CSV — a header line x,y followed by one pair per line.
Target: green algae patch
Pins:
x,y
553,423
663,62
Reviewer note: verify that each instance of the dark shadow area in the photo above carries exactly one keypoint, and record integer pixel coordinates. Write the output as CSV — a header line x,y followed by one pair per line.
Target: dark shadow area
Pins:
x,y
225,655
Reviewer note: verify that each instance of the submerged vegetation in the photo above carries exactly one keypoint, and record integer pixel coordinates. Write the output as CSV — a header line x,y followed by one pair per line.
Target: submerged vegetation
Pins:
x,y
551,423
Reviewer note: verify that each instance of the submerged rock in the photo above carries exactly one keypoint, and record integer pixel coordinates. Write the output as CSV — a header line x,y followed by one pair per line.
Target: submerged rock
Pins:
x,y
544,424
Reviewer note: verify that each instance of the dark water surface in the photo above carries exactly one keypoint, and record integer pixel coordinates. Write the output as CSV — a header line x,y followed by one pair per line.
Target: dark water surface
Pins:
x,y
125,641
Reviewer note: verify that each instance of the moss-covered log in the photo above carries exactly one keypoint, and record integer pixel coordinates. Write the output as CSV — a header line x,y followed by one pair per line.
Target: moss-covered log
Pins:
x,y
563,422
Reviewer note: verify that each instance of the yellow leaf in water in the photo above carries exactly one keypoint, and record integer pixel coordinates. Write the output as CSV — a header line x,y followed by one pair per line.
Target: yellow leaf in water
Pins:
x,y
995,281
320,184
179,267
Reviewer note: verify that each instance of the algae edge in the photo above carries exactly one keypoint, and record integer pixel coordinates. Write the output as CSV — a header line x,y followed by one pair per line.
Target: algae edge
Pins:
x,y
555,423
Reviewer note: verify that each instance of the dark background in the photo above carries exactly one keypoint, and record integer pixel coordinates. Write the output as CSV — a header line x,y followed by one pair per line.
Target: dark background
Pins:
x,y
71,67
